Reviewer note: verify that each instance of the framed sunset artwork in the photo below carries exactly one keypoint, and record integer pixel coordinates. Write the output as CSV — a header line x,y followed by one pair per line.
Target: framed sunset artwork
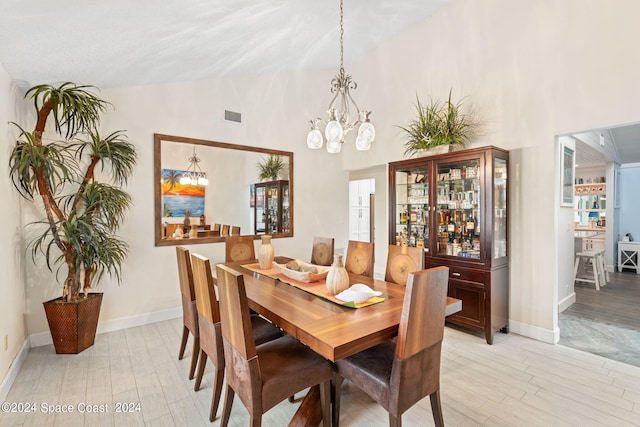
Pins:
x,y
178,198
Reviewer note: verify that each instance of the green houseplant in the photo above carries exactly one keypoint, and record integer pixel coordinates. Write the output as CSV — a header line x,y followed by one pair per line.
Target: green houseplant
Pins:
x,y
271,167
438,124
82,214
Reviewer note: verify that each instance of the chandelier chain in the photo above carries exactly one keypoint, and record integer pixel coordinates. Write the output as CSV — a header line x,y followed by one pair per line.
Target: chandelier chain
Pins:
x,y
340,109
341,38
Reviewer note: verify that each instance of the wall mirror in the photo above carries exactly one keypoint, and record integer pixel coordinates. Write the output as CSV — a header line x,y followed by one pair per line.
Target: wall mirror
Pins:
x,y
205,191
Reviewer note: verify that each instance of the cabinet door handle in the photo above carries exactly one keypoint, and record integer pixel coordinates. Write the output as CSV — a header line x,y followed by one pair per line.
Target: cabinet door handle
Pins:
x,y
455,274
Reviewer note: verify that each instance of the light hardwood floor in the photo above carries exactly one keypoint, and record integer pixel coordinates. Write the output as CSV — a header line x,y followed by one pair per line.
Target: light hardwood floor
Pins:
x,y
515,382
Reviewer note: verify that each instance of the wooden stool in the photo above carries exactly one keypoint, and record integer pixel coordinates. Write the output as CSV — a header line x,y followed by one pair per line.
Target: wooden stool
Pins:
x,y
593,256
603,269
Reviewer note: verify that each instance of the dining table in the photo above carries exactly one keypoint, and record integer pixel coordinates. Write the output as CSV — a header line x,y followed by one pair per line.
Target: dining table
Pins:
x,y
332,330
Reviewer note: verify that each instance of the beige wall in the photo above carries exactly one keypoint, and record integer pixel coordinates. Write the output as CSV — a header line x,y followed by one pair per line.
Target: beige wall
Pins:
x,y
275,114
532,69
11,246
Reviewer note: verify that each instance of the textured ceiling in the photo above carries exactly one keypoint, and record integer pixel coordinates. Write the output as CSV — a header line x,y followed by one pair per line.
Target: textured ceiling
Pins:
x,y
120,43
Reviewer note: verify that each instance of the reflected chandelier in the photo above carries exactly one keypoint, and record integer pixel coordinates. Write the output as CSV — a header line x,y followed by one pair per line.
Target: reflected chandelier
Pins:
x,y
194,175
340,109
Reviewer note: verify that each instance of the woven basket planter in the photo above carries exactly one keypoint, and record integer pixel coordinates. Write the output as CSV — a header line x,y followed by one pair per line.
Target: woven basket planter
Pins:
x,y
73,324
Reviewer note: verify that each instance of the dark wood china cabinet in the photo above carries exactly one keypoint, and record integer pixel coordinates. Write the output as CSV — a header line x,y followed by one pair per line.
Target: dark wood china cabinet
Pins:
x,y
271,208
454,206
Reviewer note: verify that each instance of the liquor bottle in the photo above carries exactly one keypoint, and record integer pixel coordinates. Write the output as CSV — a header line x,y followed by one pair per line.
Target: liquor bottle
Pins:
x,y
451,229
471,226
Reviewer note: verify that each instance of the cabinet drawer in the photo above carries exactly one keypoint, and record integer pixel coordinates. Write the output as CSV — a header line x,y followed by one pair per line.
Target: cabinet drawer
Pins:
x,y
456,273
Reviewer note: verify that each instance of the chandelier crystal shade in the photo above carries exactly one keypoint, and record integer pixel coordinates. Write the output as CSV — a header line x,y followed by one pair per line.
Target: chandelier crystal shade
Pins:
x,y
342,110
194,175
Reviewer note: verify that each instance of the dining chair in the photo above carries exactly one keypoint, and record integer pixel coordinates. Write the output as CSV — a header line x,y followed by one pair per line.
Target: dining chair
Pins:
x,y
239,249
235,230
402,260
225,230
189,312
322,251
360,258
210,333
216,229
267,374
398,375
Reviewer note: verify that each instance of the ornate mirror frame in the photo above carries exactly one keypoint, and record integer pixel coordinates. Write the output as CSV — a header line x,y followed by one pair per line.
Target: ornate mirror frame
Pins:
x,y
201,145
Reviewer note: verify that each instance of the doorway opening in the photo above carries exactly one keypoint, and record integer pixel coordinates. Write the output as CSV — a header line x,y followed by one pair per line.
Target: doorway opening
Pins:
x,y
605,321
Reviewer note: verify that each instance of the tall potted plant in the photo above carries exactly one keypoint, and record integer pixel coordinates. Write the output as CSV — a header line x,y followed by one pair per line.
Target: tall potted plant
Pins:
x,y
438,124
82,214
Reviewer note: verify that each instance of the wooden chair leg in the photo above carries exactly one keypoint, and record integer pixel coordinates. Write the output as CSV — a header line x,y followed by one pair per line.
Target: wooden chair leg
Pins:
x,y
436,408
201,366
217,391
183,342
194,356
226,409
336,391
394,421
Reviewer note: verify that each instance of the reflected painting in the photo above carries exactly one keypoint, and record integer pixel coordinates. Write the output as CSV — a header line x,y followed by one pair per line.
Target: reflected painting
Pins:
x,y
178,198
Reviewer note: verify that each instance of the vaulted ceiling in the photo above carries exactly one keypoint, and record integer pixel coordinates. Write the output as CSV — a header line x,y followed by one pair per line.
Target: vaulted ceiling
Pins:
x,y
119,43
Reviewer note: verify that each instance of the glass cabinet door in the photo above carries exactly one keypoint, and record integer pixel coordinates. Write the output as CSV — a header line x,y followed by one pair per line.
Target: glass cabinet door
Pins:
x,y
457,212
273,212
499,208
412,207
285,208
261,211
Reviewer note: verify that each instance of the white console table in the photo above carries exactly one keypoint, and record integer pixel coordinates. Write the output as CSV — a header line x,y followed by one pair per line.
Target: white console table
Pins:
x,y
628,256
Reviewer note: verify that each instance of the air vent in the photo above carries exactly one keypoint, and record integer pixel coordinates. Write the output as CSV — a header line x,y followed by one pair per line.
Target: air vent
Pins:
x,y
232,116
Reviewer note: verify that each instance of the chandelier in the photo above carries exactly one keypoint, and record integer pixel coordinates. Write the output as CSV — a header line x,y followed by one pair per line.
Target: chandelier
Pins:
x,y
341,108
194,175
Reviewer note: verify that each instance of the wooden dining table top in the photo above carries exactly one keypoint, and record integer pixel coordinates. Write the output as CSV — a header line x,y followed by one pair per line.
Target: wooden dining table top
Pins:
x,y
332,330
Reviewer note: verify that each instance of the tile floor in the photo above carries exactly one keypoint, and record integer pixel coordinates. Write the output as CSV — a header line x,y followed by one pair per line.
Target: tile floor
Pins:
x,y
605,322
515,382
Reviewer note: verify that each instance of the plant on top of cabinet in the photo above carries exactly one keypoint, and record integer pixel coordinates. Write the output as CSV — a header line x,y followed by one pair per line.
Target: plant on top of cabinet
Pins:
x,y
271,167
82,214
438,124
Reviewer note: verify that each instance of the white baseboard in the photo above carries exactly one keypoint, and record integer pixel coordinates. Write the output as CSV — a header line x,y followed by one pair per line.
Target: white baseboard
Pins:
x,y
44,338
567,302
14,368
540,334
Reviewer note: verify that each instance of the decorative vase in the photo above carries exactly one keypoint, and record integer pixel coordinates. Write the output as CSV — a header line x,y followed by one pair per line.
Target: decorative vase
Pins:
x,y
193,233
337,278
265,253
